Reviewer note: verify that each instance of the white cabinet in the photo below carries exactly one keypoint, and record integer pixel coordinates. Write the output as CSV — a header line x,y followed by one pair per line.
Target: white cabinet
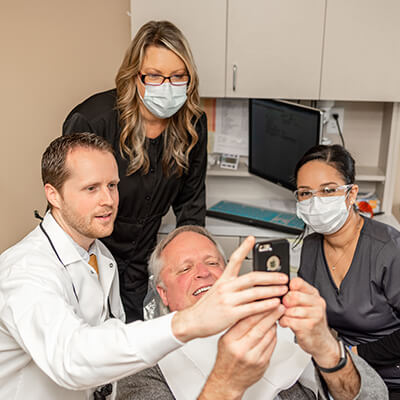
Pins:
x,y
276,45
361,58
274,48
303,49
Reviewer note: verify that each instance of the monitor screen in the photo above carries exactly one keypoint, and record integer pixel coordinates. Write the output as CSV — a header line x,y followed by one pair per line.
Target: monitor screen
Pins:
x,y
280,133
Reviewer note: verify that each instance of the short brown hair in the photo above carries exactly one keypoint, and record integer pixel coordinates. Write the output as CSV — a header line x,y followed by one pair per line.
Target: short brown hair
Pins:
x,y
54,170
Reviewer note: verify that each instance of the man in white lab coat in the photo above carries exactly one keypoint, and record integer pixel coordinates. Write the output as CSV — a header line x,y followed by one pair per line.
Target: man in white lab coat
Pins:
x,y
62,334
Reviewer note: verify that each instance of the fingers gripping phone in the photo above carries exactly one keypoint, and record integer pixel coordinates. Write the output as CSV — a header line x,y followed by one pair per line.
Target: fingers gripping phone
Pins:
x,y
272,256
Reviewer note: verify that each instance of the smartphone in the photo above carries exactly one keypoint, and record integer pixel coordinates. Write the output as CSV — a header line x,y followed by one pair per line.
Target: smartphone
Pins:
x,y
272,256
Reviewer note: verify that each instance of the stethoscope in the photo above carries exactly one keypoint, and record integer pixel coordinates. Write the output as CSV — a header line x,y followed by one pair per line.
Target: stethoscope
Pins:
x,y
59,258
37,215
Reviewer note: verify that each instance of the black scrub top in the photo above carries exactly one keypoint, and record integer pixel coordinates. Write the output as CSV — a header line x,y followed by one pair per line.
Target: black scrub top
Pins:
x,y
366,307
143,198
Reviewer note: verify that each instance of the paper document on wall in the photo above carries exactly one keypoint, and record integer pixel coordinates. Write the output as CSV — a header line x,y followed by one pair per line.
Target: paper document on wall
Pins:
x,y
232,127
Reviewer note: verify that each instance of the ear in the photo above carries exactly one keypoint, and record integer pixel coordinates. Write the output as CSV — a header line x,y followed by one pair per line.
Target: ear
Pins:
x,y
52,195
163,294
353,194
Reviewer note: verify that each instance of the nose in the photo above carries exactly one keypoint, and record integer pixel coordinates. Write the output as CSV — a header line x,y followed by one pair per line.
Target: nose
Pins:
x,y
202,271
106,198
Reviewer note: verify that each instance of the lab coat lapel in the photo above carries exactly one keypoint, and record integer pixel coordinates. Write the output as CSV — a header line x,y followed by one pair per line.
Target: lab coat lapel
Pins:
x,y
107,270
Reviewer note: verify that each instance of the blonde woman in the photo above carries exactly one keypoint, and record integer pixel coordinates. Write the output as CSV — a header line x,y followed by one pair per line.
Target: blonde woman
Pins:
x,y
159,135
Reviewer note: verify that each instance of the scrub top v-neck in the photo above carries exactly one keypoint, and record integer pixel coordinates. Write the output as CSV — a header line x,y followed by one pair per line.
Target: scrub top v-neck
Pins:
x,y
366,306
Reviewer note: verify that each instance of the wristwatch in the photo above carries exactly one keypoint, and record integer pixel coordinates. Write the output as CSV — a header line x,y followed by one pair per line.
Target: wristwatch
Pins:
x,y
342,361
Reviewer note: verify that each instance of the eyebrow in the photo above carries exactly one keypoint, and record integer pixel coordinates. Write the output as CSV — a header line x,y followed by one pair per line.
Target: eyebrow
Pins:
x,y
321,185
88,184
177,71
188,260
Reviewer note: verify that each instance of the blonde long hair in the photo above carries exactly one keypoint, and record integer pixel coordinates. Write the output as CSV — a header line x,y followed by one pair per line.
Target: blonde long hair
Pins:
x,y
180,135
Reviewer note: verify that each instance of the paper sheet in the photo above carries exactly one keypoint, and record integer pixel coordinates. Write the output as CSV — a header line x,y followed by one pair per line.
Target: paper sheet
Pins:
x,y
232,127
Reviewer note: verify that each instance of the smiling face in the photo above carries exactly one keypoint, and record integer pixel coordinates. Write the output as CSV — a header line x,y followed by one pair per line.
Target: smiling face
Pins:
x,y
86,205
192,264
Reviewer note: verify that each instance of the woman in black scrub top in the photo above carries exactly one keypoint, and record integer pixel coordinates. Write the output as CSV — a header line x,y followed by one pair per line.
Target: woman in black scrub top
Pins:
x,y
353,261
159,135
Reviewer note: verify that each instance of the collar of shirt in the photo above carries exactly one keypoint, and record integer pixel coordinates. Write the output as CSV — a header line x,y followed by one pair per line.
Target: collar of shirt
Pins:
x,y
83,253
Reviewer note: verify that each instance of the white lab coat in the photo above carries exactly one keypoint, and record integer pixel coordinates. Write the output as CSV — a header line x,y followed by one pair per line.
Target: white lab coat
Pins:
x,y
51,345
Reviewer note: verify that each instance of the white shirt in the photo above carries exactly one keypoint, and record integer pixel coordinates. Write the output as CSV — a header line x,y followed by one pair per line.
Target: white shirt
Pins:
x,y
58,345
187,368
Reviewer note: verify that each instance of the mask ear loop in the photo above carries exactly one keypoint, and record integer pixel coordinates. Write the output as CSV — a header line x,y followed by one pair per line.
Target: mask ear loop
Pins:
x,y
352,202
300,237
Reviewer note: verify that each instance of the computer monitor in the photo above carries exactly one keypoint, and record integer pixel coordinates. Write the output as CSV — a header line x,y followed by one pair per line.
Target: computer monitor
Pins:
x,y
280,133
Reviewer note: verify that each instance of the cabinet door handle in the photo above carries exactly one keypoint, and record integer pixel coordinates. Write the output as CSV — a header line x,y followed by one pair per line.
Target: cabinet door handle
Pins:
x,y
234,77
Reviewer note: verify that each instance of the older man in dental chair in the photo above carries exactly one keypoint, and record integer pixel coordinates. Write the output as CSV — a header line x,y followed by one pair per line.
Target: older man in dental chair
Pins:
x,y
257,358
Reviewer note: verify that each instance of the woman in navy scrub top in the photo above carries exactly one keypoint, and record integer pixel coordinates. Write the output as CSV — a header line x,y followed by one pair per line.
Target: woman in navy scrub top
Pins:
x,y
159,135
353,261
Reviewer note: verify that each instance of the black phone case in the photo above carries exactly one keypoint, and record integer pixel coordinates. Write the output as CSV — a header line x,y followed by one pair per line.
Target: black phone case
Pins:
x,y
272,256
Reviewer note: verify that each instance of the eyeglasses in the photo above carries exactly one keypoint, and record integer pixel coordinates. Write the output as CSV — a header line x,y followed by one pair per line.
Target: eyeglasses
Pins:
x,y
157,80
327,191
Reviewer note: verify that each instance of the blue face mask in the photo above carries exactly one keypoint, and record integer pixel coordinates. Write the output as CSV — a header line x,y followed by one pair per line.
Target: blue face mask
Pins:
x,y
164,100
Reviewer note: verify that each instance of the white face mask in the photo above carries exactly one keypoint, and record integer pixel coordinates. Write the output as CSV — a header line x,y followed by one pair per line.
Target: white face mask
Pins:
x,y
324,215
164,100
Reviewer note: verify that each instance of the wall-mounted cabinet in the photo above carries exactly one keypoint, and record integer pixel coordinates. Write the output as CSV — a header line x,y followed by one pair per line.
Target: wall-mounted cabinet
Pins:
x,y
258,48
274,48
303,49
361,51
